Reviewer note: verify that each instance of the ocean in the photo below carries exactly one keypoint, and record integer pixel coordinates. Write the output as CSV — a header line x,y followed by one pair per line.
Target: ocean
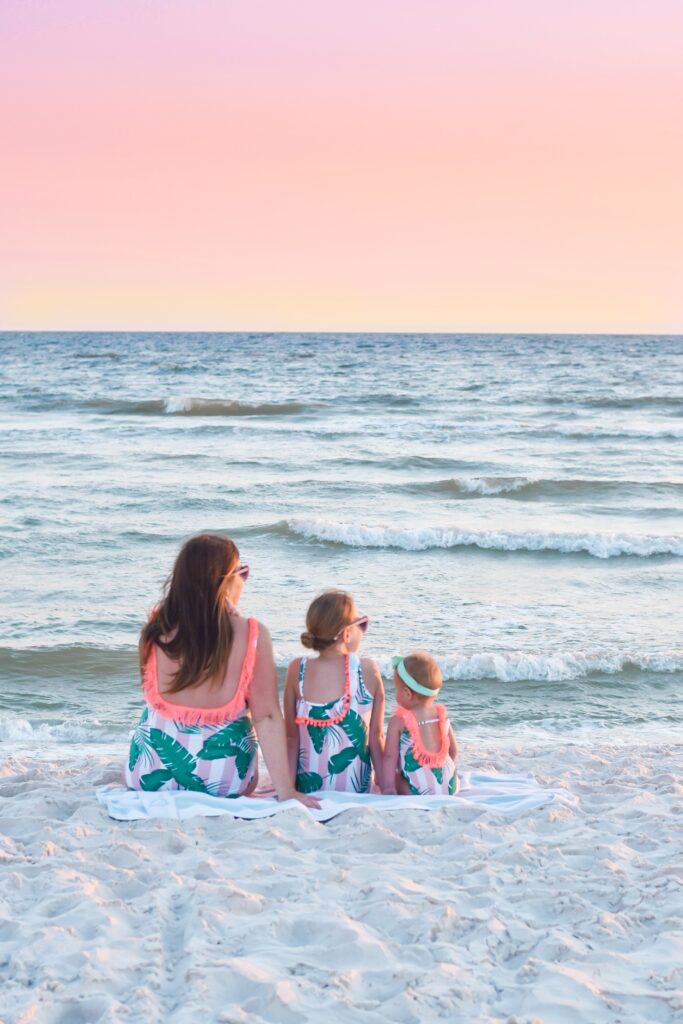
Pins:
x,y
512,504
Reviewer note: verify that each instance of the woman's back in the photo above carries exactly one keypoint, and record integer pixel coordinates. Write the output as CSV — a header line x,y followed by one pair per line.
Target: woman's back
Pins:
x,y
207,693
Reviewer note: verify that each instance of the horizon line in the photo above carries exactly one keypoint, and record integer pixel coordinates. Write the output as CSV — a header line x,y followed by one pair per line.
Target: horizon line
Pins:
x,y
313,332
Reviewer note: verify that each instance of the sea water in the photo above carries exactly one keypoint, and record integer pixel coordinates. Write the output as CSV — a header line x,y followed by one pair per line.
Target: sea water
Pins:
x,y
512,504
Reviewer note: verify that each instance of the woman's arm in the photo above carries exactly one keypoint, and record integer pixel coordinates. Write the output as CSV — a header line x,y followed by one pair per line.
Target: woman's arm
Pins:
x,y
390,758
142,655
270,727
291,728
373,679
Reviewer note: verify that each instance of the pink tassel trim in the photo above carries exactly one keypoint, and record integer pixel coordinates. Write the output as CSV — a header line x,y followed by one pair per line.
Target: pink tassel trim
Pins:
x,y
203,716
346,704
427,758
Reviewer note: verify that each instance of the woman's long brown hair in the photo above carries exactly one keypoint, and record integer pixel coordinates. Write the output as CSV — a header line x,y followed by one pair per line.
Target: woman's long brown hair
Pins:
x,y
193,617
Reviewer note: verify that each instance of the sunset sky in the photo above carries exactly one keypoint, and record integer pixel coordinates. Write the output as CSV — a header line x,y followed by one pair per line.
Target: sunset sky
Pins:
x,y
436,165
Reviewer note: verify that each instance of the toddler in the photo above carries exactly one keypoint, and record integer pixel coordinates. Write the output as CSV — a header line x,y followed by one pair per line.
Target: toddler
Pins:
x,y
421,748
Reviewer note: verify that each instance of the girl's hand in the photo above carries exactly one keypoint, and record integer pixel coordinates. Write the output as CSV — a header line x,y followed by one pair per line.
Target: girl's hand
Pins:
x,y
304,798
307,800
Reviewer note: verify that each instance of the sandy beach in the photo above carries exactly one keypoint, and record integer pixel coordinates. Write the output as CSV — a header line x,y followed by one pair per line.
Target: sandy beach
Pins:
x,y
562,914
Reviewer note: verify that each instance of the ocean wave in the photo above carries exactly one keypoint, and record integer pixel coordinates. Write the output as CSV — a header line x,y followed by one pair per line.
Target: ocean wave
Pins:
x,y
598,545
385,400
67,661
521,666
482,487
183,406
666,402
406,462
20,730
530,488
595,433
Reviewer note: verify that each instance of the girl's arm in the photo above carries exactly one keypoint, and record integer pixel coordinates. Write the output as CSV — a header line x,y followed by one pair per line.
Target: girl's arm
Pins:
x,y
291,728
390,759
269,724
453,744
373,680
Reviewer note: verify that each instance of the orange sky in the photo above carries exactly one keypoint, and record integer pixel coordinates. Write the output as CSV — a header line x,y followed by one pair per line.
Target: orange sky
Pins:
x,y
318,165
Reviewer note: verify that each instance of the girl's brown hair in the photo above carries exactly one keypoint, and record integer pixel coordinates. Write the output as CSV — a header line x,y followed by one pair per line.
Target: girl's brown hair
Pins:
x,y
327,615
193,617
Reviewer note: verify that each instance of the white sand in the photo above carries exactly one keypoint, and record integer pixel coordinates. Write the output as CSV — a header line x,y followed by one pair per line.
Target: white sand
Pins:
x,y
567,914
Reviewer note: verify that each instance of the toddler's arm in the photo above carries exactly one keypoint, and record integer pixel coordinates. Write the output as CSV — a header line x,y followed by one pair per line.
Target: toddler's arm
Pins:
x,y
390,759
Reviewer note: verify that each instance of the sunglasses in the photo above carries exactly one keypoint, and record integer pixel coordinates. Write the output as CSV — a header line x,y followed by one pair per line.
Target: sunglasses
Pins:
x,y
363,622
242,571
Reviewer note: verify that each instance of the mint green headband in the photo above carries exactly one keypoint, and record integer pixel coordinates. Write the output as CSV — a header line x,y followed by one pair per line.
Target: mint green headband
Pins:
x,y
413,684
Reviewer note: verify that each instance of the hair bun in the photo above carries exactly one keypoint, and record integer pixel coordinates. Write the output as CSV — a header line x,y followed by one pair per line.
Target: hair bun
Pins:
x,y
307,639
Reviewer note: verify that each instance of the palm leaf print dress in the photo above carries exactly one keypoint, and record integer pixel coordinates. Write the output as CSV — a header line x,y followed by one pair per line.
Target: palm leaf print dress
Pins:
x,y
210,750
333,737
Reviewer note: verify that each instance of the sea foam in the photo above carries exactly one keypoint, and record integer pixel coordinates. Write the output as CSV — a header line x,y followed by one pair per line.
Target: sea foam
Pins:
x,y
599,545
518,666
20,730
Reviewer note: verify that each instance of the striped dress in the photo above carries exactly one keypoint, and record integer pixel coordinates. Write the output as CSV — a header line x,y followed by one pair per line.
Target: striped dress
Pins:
x,y
333,737
209,750
428,773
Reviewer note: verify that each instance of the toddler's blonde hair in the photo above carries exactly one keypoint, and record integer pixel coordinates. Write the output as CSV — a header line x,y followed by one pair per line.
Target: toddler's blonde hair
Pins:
x,y
424,669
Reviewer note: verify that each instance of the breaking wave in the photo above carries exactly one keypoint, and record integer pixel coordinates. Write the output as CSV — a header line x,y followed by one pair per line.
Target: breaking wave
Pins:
x,y
182,406
599,545
20,730
536,488
521,666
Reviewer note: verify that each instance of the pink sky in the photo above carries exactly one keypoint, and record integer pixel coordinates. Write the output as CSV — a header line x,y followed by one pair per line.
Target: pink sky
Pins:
x,y
317,165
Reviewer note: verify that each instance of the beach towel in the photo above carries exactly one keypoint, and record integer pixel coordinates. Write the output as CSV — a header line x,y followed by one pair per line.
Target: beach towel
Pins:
x,y
505,794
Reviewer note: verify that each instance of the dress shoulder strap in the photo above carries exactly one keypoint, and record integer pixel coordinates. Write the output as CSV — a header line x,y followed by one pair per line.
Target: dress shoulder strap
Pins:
x,y
356,673
249,663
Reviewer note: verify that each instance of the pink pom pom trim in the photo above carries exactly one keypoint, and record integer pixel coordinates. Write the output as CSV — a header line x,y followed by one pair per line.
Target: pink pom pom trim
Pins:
x,y
427,758
346,704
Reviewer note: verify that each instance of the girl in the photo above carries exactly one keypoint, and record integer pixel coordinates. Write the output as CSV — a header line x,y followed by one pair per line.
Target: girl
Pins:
x,y
209,684
334,704
421,747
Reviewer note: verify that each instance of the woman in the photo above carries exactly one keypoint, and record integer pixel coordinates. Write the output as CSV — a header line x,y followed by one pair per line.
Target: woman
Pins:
x,y
209,684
